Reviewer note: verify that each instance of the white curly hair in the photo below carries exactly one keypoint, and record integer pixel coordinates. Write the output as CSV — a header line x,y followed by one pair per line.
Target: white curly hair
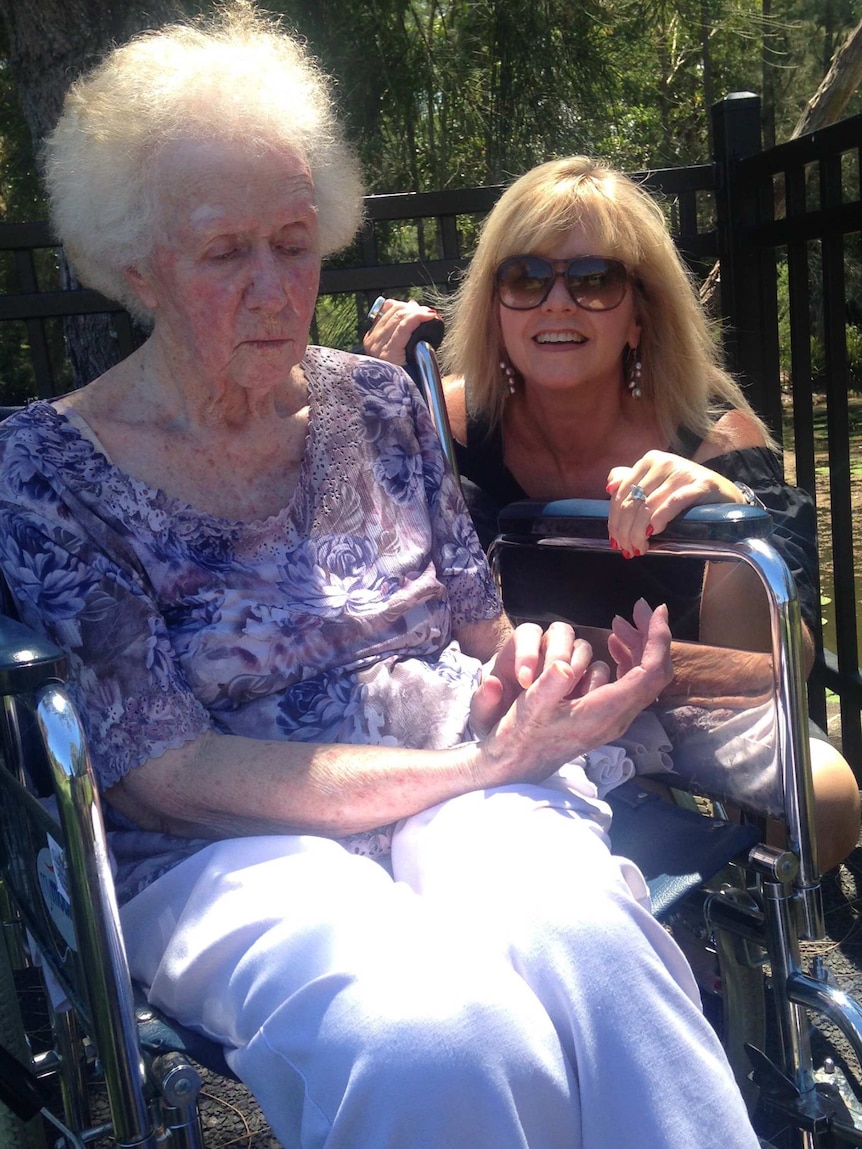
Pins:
x,y
236,76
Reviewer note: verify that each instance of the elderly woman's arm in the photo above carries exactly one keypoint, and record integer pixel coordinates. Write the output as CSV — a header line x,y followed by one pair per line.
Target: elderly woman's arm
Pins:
x,y
228,786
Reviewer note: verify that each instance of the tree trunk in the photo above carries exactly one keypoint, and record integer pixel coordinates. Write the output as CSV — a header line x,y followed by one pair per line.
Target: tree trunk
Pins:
x,y
767,73
50,42
825,107
706,57
839,84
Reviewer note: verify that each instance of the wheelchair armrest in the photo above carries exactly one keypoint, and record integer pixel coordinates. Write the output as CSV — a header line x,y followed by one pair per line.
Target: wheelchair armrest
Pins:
x,y
587,518
27,660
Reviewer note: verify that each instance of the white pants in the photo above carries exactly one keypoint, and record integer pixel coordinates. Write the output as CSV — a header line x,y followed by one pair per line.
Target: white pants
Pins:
x,y
507,990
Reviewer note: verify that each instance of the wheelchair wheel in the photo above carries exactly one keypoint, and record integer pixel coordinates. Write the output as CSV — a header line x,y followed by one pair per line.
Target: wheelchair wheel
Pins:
x,y
743,1018
14,1133
729,972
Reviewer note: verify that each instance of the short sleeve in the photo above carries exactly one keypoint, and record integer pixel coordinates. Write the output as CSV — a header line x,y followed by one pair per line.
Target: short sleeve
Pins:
x,y
795,525
134,701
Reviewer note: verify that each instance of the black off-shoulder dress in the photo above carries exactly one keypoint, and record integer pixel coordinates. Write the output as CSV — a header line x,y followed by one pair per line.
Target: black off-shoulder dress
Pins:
x,y
489,486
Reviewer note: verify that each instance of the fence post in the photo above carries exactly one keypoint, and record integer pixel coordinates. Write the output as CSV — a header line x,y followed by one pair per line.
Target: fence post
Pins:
x,y
748,278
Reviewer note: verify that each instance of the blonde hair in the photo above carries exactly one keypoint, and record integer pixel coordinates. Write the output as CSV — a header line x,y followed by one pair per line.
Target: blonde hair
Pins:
x,y
237,76
682,375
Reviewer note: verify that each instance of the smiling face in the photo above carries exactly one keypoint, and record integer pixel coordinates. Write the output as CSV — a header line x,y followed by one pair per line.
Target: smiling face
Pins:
x,y
560,345
232,280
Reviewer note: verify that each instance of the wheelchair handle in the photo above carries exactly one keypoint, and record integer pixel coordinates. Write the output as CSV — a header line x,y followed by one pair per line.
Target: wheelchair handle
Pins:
x,y
420,354
431,385
430,331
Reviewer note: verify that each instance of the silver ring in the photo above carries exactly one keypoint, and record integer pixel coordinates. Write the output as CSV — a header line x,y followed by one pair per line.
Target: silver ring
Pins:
x,y
375,309
638,493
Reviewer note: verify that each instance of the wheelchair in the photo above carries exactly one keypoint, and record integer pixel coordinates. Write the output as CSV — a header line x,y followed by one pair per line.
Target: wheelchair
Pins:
x,y
714,880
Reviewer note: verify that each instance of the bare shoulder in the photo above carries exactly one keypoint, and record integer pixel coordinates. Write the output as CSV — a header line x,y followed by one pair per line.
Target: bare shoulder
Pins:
x,y
734,431
456,406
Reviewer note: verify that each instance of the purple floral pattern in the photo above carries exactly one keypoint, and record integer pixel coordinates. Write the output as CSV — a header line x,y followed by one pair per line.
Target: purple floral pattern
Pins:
x,y
321,623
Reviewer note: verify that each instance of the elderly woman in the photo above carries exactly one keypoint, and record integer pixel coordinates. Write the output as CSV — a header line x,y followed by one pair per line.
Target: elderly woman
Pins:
x,y
334,850
582,366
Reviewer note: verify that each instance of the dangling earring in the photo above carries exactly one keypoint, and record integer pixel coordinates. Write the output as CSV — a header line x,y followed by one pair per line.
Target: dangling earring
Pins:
x,y
634,373
509,372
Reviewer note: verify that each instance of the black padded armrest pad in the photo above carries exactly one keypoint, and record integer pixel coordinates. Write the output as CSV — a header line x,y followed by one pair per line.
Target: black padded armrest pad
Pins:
x,y
588,518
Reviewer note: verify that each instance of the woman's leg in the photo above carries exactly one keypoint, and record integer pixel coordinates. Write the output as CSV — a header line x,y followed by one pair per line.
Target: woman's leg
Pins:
x,y
532,877
350,1009
836,804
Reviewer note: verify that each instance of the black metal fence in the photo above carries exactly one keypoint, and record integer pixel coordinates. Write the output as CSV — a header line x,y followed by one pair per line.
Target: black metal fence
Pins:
x,y
791,251
782,226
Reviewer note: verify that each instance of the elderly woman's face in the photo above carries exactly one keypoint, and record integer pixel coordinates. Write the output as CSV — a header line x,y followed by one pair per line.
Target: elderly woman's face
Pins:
x,y
234,273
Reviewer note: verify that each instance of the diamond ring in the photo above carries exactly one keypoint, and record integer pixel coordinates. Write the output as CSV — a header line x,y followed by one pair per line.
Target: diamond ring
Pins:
x,y
638,493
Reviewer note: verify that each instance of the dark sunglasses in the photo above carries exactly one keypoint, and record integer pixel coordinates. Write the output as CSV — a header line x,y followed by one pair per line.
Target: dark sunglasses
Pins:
x,y
596,284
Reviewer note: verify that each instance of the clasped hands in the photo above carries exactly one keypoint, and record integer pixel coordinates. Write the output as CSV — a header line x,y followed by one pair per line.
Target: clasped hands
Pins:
x,y
543,699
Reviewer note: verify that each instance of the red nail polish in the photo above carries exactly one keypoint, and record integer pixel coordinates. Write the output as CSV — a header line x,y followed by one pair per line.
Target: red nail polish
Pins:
x,y
626,555
637,554
650,531
615,546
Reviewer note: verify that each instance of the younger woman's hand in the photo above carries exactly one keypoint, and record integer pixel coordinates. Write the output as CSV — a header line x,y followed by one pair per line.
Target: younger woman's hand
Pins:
x,y
395,323
669,485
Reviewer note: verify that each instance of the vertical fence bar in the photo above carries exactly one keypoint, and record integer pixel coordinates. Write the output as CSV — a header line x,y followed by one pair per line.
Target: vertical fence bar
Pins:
x,y
748,280
799,302
800,343
450,247
838,424
25,267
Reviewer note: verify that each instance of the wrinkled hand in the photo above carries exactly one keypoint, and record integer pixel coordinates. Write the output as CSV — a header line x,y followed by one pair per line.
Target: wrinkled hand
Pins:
x,y
395,323
671,485
517,664
627,642
560,715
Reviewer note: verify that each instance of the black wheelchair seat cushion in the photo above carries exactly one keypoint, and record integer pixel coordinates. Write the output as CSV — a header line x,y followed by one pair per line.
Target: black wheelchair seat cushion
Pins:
x,y
676,849
161,1034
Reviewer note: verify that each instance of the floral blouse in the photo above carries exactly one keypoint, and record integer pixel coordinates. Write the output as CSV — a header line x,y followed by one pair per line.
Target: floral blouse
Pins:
x,y
331,621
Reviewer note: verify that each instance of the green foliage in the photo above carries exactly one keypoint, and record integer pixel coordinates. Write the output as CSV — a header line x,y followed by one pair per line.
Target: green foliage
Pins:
x,y
816,350
854,356
450,93
21,199
21,195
